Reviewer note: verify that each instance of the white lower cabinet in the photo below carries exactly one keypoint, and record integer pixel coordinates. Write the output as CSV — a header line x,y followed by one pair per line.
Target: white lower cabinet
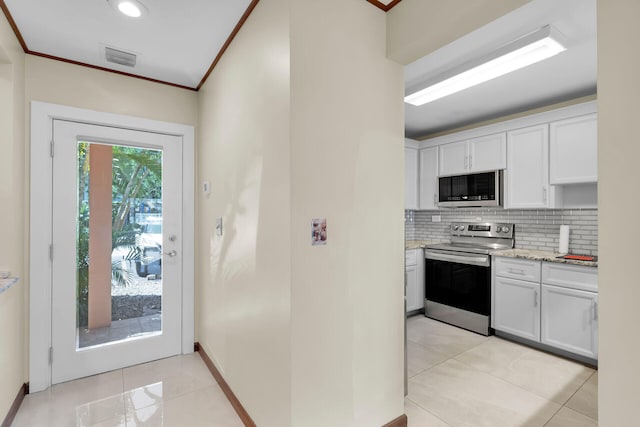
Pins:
x,y
414,272
517,307
564,317
570,320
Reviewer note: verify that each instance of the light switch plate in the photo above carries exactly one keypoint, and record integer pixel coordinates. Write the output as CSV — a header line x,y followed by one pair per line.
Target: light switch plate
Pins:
x,y
436,218
219,226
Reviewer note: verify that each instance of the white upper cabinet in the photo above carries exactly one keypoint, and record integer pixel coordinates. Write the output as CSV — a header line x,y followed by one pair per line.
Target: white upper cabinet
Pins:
x,y
410,178
453,158
527,177
485,153
488,153
429,178
574,150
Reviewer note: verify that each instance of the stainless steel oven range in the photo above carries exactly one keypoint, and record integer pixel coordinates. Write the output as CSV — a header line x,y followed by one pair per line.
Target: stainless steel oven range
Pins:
x,y
458,274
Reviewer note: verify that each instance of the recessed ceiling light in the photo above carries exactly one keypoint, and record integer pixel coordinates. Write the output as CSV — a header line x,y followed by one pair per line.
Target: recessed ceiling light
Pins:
x,y
131,8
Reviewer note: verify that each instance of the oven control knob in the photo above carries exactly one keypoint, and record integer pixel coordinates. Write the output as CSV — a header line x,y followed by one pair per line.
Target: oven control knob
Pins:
x,y
505,229
462,228
455,227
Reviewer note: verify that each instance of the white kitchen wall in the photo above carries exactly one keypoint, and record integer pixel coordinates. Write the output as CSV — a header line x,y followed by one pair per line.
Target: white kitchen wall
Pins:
x,y
535,229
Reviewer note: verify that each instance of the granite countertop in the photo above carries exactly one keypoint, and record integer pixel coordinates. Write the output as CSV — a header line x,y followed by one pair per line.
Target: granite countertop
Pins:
x,y
541,256
419,244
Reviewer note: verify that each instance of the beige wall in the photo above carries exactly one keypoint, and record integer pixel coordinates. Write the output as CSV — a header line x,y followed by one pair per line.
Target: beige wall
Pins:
x,y
243,277
618,175
347,151
12,188
305,335
419,27
83,87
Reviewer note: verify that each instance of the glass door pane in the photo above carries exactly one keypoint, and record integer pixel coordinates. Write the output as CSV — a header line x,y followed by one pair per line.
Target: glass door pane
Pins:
x,y
119,243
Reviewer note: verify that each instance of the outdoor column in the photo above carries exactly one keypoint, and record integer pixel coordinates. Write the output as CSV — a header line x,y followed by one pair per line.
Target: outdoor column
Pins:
x,y
100,166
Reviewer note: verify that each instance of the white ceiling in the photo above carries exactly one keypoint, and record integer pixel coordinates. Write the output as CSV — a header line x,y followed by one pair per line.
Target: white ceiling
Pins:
x,y
176,41
568,75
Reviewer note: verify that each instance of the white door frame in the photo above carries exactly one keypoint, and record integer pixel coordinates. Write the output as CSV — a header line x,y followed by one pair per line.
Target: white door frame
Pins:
x,y
40,280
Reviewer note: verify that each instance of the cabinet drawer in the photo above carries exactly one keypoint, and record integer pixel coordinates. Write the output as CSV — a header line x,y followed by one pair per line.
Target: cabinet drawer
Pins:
x,y
514,268
411,257
570,276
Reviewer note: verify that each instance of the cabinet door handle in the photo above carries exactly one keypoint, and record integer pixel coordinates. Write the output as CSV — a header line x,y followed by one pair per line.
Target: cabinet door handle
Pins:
x,y
595,310
470,162
544,194
535,298
517,271
466,162
435,199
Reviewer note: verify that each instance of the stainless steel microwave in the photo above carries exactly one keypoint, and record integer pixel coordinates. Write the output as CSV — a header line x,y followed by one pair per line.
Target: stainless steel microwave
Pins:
x,y
471,190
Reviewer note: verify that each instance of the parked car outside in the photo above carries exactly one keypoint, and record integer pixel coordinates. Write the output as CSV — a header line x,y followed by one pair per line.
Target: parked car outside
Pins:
x,y
149,245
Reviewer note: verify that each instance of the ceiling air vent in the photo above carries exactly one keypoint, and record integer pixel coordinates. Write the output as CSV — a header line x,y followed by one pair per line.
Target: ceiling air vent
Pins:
x,y
120,57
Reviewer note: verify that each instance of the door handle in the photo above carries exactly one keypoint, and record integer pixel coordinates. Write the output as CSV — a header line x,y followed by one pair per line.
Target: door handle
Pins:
x,y
171,253
535,298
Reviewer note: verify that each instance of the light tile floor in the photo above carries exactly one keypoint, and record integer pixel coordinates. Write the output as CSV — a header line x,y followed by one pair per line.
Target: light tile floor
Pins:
x,y
177,391
458,378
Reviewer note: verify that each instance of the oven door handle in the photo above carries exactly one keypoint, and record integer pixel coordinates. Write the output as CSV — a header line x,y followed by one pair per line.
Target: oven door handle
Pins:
x,y
479,260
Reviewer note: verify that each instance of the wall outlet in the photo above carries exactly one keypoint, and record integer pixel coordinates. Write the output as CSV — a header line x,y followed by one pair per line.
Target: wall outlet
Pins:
x,y
436,218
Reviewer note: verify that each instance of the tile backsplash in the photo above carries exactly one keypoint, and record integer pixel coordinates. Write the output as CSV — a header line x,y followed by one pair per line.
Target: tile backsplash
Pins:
x,y
534,229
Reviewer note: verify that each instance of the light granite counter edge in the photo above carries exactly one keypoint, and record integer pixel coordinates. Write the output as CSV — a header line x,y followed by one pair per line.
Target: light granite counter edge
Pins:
x,y
537,255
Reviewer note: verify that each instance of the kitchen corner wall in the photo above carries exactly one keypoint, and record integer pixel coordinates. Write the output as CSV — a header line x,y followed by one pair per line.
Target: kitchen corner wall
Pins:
x,y
534,229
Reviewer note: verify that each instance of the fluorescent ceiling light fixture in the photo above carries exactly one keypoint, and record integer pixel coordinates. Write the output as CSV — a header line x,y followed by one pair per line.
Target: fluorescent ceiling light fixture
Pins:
x,y
131,8
526,50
